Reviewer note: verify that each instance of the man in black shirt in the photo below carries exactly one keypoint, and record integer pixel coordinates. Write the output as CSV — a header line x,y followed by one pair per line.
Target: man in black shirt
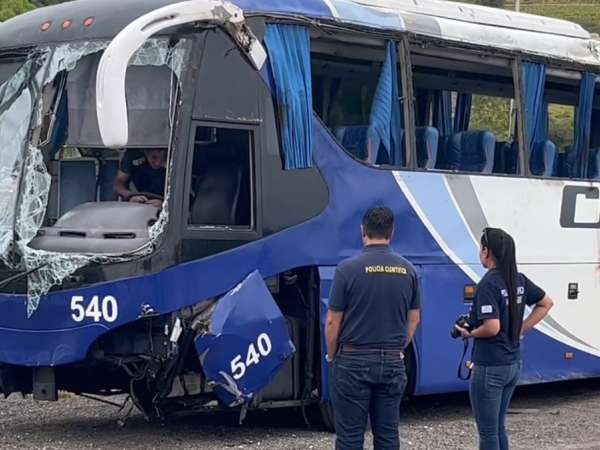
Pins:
x,y
147,170
374,310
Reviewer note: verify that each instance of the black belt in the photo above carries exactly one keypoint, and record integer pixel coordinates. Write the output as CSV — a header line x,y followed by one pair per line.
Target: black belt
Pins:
x,y
350,348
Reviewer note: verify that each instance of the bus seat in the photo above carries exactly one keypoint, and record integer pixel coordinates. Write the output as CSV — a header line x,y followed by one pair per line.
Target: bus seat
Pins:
x,y
445,154
217,189
563,169
451,154
472,151
108,172
501,156
568,163
383,156
543,159
427,146
77,183
354,140
511,159
477,152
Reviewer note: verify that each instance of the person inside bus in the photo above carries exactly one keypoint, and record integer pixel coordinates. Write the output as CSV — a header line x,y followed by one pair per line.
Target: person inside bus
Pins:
x,y
147,170
497,326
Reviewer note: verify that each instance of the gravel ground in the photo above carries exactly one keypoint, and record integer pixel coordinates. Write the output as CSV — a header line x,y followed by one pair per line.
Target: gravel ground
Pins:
x,y
557,416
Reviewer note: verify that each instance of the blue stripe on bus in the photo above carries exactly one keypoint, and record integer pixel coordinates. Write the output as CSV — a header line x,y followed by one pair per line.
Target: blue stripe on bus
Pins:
x,y
433,197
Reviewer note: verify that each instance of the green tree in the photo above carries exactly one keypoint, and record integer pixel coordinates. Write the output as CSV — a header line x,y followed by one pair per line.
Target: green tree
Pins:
x,y
11,8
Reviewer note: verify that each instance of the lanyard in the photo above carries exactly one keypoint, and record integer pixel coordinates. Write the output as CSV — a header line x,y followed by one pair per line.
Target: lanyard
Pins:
x,y
467,364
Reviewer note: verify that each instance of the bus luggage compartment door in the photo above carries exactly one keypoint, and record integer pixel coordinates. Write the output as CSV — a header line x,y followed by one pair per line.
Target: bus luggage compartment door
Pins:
x,y
246,344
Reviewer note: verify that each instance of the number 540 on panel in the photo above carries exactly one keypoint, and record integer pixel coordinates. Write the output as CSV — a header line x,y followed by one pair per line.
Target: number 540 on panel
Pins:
x,y
105,309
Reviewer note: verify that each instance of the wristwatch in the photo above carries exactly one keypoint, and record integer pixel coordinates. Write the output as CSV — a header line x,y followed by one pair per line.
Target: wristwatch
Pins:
x,y
328,359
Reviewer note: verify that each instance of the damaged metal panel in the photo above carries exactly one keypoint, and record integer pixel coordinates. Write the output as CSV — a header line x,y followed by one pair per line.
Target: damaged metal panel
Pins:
x,y
111,101
481,15
246,344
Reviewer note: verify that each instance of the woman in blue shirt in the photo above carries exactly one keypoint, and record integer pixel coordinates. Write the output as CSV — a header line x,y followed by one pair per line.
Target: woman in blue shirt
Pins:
x,y
498,326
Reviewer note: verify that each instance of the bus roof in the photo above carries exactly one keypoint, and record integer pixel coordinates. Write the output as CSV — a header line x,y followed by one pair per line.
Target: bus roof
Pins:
x,y
458,22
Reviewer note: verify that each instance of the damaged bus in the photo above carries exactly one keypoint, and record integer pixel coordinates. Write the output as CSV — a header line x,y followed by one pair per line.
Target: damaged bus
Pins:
x,y
281,122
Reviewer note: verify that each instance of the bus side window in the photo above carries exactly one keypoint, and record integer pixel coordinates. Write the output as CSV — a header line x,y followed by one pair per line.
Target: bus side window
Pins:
x,y
342,98
221,182
348,88
462,110
560,123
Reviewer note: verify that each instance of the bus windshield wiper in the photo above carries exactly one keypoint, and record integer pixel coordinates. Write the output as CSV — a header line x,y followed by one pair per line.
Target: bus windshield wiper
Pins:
x,y
21,275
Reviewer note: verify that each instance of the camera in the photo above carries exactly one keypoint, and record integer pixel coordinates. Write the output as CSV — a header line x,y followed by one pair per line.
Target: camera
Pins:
x,y
463,321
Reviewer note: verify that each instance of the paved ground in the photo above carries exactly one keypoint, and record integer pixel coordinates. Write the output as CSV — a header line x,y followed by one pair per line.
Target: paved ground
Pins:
x,y
558,416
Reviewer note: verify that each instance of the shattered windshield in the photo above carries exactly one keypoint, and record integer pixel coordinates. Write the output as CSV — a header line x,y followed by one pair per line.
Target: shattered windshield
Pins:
x,y
57,181
15,114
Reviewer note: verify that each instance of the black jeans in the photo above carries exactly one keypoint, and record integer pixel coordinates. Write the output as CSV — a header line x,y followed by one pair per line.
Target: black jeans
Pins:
x,y
363,383
491,389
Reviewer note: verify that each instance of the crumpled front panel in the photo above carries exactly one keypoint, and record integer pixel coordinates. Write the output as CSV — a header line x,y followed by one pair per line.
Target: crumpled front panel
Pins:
x,y
247,342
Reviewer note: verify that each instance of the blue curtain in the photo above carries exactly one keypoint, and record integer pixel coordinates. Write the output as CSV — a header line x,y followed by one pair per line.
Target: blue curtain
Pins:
x,y
583,123
462,115
288,47
534,82
385,119
442,112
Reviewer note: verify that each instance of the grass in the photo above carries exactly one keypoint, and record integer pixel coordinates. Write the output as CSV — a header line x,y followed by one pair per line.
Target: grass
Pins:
x,y
585,14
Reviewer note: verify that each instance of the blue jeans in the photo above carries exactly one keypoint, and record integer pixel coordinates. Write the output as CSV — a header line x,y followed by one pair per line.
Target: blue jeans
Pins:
x,y
491,389
363,383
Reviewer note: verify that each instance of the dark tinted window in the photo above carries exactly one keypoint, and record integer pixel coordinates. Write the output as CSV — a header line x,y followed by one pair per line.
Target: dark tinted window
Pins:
x,y
221,184
225,82
8,69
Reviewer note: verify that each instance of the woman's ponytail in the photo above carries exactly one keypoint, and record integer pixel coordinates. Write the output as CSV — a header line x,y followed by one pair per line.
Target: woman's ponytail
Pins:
x,y
502,247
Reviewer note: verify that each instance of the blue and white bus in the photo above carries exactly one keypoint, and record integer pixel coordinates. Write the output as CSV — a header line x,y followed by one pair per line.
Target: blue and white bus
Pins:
x,y
284,121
